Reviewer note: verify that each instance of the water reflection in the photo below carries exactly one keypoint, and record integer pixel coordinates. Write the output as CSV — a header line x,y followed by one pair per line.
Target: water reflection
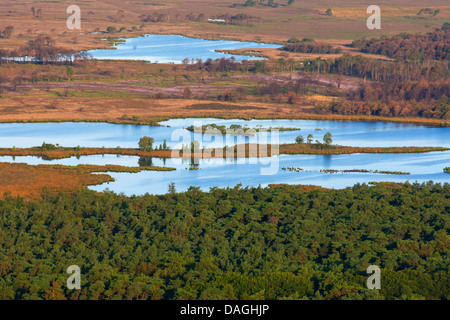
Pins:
x,y
360,134
145,162
207,173
175,48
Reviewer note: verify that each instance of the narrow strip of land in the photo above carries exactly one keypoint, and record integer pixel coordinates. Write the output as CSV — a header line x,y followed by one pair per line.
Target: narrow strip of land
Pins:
x,y
238,151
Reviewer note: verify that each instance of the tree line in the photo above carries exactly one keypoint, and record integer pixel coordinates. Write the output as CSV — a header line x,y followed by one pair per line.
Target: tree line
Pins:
x,y
397,88
310,46
42,50
433,45
379,70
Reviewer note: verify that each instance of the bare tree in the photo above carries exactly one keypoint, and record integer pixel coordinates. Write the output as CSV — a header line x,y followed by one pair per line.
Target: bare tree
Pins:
x,y
7,32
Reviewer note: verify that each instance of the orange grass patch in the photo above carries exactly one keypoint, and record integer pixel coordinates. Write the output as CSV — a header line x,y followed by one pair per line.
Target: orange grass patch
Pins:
x,y
28,181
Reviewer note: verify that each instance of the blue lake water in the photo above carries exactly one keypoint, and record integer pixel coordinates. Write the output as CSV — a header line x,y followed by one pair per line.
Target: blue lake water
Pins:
x,y
175,48
214,173
230,172
248,172
348,133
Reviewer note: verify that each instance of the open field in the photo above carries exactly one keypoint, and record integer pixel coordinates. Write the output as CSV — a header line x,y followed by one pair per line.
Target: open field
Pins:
x,y
147,111
275,54
300,19
142,93
122,92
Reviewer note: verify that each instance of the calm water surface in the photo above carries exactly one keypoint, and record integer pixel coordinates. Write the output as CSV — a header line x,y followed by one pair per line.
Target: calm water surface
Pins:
x,y
174,49
223,172
349,133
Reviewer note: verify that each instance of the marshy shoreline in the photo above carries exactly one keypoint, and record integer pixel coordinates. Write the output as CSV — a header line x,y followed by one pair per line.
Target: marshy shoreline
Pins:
x,y
240,150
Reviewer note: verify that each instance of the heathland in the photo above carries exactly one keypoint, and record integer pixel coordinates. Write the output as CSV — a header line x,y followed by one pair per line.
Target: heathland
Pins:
x,y
397,79
293,242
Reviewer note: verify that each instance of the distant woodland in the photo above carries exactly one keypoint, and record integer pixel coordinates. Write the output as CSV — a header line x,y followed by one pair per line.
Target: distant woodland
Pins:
x,y
281,242
310,46
415,83
434,45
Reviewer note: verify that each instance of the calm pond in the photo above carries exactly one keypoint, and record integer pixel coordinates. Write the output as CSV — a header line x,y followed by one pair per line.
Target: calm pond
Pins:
x,y
174,49
248,172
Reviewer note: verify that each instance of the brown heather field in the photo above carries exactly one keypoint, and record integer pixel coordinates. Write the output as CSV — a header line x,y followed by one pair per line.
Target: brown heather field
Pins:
x,y
115,91
28,181
275,54
117,110
119,92
301,19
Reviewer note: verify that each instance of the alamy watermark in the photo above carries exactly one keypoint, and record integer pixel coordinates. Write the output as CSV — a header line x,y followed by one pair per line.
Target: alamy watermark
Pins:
x,y
374,281
374,21
74,281
74,20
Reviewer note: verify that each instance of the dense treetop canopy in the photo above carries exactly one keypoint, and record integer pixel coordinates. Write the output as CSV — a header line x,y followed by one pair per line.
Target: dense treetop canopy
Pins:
x,y
234,243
